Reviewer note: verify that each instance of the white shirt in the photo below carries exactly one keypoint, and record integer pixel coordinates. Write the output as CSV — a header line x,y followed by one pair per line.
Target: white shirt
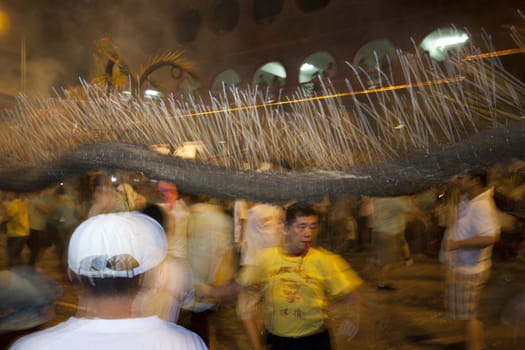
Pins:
x,y
210,244
240,213
165,290
177,228
101,334
476,217
264,229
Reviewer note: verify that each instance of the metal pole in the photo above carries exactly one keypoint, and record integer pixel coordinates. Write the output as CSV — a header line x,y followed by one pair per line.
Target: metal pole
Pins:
x,y
23,64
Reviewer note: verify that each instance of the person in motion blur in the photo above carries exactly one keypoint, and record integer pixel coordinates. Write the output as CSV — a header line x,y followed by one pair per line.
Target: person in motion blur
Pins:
x,y
27,301
388,219
295,281
469,244
211,257
17,226
176,219
40,205
104,198
63,220
130,199
108,256
168,287
264,229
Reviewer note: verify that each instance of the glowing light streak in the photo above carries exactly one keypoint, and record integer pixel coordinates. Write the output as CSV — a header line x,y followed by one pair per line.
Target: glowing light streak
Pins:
x,y
324,97
494,54
450,41
71,306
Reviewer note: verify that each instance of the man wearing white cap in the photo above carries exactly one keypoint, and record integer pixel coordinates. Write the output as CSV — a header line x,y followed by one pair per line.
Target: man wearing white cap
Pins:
x,y
108,255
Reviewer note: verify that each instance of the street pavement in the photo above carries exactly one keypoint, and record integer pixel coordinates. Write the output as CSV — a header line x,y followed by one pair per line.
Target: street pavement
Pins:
x,y
411,317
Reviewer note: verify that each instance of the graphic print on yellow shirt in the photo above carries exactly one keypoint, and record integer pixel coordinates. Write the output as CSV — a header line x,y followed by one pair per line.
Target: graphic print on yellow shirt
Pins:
x,y
296,288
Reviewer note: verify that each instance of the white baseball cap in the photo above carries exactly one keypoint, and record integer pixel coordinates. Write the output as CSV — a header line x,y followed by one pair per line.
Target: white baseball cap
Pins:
x,y
103,245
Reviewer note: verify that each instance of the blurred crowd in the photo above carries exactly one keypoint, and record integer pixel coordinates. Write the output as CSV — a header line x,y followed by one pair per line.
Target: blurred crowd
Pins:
x,y
209,240
48,217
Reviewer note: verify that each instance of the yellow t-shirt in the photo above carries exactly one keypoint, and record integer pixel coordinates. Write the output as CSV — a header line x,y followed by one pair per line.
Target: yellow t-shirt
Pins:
x,y
18,219
296,288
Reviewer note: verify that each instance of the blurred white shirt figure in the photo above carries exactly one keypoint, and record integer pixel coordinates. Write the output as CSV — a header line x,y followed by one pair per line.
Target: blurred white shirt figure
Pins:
x,y
210,248
176,220
169,286
168,289
264,229
240,218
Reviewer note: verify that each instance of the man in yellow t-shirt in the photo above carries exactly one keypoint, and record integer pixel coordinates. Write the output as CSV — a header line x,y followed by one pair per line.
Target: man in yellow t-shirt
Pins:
x,y
17,218
296,281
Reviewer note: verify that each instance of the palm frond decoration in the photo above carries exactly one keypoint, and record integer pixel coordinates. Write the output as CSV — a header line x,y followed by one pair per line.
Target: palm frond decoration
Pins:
x,y
114,73
179,66
112,70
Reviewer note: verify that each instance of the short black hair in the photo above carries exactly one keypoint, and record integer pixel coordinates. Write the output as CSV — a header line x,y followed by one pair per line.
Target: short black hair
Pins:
x,y
480,174
155,212
297,210
107,287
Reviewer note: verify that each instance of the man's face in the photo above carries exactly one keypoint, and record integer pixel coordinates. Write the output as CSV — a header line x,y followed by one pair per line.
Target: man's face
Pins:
x,y
169,192
301,233
170,196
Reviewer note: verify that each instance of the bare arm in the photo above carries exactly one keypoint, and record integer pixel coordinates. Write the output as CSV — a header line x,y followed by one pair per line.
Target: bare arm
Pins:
x,y
250,326
219,293
346,312
247,302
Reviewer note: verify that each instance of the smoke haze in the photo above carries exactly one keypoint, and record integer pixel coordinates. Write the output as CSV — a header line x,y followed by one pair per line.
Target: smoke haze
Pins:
x,y
60,37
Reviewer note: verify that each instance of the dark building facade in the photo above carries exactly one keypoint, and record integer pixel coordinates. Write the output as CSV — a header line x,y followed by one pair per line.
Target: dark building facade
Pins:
x,y
233,40
281,43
